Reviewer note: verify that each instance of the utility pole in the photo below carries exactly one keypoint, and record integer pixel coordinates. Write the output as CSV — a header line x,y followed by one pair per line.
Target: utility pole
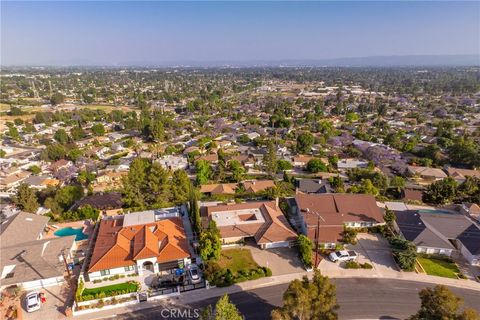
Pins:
x,y
317,234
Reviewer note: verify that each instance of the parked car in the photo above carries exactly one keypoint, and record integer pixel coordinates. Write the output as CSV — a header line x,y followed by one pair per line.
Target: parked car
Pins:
x,y
194,273
343,255
32,301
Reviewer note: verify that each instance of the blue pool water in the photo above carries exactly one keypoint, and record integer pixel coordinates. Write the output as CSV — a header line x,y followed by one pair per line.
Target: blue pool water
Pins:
x,y
77,232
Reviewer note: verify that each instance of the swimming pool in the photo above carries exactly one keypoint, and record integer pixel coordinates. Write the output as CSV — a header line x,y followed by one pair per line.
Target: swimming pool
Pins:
x,y
69,231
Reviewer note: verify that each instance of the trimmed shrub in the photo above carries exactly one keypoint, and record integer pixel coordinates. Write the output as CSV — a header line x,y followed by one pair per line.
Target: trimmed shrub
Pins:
x,y
352,265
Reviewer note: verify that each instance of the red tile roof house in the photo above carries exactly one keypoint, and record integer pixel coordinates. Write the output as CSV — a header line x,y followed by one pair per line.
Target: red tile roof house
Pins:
x,y
336,212
262,221
140,242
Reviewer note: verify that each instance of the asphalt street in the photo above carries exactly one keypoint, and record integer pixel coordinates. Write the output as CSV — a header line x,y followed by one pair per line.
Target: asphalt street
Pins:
x,y
358,299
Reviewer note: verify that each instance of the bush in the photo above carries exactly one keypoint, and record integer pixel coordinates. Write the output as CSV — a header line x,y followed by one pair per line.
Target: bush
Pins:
x,y
366,265
352,265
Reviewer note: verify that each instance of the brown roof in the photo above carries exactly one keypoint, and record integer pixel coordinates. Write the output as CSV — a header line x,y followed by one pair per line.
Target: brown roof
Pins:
x,y
337,209
119,246
412,194
219,188
302,158
462,173
209,157
275,228
255,186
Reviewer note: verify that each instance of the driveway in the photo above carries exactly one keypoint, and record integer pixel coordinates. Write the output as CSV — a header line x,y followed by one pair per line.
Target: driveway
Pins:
x,y
375,249
53,308
279,260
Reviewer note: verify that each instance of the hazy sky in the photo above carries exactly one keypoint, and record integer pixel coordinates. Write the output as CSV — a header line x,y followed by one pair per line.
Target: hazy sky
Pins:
x,y
123,32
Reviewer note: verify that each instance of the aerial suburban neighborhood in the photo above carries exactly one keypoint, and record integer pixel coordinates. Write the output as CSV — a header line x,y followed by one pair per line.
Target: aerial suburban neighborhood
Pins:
x,y
240,191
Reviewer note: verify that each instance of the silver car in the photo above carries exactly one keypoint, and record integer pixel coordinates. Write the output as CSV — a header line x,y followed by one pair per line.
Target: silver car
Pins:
x,y
32,301
194,273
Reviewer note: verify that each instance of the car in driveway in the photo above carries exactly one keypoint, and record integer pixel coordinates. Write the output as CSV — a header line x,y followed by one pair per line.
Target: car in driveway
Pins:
x,y
32,301
194,273
343,256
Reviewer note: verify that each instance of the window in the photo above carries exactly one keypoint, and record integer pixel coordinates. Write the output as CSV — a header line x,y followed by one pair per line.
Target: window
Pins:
x,y
9,275
129,268
104,272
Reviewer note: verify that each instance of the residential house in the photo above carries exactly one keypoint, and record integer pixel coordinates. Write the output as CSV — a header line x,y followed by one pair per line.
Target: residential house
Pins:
x,y
262,222
426,175
346,164
41,182
218,188
139,242
172,162
254,186
332,213
109,204
435,232
312,186
29,260
301,160
472,210
460,175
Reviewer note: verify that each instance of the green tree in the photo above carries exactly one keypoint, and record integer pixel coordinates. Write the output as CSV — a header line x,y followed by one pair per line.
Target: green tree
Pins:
x,y
133,184
237,170
439,303
283,165
77,133
225,310
270,159
308,300
36,170
180,186
204,171
305,248
316,165
57,98
305,142
98,129
61,136
441,192
210,242
194,209
26,198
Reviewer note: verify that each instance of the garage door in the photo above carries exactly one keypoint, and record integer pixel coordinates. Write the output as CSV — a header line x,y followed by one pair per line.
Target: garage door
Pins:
x,y
277,245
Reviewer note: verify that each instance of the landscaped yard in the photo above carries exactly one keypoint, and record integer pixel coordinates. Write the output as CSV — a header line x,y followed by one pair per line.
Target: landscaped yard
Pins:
x,y
114,289
236,260
234,265
439,267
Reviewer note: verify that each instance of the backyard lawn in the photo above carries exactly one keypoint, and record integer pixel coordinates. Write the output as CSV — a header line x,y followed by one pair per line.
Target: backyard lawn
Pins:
x,y
236,260
439,267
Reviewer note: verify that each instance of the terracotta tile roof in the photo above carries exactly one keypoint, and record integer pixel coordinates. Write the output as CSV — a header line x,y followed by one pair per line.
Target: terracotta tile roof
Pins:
x,y
119,246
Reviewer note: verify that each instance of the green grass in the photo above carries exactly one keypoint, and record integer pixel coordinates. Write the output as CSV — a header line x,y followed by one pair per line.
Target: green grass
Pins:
x,y
128,286
236,260
437,267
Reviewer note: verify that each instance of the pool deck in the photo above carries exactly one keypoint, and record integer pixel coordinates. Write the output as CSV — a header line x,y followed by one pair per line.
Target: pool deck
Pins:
x,y
85,224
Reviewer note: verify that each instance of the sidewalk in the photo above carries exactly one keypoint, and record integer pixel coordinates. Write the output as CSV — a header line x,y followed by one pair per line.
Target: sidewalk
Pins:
x,y
203,294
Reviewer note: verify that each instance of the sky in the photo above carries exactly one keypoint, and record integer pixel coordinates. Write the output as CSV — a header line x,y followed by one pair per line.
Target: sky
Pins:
x,y
124,32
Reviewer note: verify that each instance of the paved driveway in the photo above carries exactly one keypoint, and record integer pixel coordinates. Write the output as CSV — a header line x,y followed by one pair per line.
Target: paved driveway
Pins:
x,y
279,260
52,309
375,249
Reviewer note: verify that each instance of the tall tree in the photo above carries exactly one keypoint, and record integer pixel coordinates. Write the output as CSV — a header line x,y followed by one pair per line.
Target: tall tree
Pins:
x,y
194,209
204,171
26,198
305,142
441,192
308,300
224,310
210,242
270,159
439,303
